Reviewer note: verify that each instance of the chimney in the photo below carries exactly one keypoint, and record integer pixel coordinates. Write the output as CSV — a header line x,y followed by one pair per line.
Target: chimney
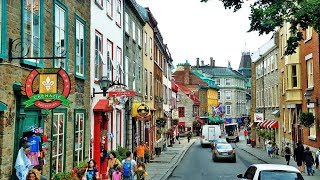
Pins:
x,y
202,62
186,73
198,64
212,62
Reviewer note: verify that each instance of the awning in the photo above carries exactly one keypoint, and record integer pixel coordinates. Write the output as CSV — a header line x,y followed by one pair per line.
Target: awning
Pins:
x,y
200,121
3,106
273,125
276,112
229,120
252,124
265,123
181,123
260,123
167,113
102,105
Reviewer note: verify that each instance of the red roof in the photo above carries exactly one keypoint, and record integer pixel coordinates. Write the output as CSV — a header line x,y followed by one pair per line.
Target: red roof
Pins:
x,y
102,105
189,93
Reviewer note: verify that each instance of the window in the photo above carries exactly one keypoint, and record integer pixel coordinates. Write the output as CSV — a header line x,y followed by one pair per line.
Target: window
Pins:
x,y
119,61
119,10
219,95
99,3
308,33
60,36
139,72
139,36
145,41
281,48
32,28
310,73
2,27
150,82
294,76
228,82
133,31
80,49
146,82
312,129
98,56
228,95
79,136
181,111
126,22
218,82
110,8
110,59
283,83
58,141
228,109
126,71
150,47
273,66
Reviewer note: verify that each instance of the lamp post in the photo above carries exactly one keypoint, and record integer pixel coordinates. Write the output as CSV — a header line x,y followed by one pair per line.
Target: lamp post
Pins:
x,y
104,84
308,96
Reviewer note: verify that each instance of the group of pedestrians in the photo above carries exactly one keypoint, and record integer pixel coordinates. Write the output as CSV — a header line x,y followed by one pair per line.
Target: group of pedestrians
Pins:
x,y
127,169
272,149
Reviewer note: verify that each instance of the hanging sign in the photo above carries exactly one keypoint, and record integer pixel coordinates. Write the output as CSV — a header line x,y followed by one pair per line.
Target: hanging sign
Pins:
x,y
48,96
122,93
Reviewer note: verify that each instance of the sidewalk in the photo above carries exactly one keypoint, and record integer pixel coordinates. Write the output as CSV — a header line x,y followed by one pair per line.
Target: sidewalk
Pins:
x,y
262,155
161,167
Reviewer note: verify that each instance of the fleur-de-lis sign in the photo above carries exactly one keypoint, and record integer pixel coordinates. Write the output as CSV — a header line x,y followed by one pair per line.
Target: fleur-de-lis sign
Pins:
x,y
47,83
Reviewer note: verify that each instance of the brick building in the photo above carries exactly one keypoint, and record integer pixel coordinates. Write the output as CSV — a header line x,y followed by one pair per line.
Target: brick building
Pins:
x,y
47,28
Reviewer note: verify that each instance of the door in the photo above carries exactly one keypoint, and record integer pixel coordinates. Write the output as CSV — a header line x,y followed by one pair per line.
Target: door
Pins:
x,y
211,133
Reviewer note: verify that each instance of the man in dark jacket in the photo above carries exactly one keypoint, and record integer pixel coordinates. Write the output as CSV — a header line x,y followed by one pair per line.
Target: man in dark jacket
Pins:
x,y
299,156
309,161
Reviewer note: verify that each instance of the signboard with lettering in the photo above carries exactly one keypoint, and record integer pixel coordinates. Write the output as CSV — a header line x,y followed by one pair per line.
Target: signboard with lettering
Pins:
x,y
258,117
48,96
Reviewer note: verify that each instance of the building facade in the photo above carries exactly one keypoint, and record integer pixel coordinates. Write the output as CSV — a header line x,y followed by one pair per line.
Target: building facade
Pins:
x,y
59,31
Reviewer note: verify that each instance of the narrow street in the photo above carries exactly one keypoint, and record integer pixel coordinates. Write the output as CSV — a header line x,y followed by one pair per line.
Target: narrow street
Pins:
x,y
198,164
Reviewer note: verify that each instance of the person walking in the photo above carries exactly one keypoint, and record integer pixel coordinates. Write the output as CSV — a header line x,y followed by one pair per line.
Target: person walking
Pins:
x,y
140,151
298,156
287,153
91,171
117,175
269,149
129,167
245,133
318,159
309,161
189,136
113,163
275,151
177,137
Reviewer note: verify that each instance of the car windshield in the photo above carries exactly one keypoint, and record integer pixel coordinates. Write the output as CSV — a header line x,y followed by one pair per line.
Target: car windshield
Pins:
x,y
280,175
224,146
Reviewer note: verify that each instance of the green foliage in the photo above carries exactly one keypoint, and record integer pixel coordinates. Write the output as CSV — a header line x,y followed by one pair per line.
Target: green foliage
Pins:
x,y
120,153
306,119
159,131
62,176
175,121
161,122
267,15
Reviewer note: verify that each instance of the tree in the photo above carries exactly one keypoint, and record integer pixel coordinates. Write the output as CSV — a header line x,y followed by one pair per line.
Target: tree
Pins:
x,y
267,15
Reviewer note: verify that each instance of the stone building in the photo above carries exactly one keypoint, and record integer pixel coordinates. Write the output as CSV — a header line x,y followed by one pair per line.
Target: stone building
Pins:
x,y
46,29
245,69
266,89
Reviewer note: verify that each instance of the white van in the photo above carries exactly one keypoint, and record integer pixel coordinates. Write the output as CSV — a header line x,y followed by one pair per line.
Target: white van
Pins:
x,y
209,133
232,132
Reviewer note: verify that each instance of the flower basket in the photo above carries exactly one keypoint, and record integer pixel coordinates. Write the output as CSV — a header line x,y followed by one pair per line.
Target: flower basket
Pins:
x,y
161,122
175,121
306,119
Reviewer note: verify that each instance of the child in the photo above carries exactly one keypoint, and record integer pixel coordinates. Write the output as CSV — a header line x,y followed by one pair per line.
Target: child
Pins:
x,y
117,175
141,171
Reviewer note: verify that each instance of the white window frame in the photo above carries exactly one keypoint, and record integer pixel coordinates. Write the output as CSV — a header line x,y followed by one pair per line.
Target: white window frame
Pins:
x,y
99,3
308,33
80,49
312,129
294,77
228,82
134,38
228,95
119,12
150,47
110,8
59,153
79,132
60,32
98,56
126,71
145,42
139,36
126,21
310,73
228,106
110,60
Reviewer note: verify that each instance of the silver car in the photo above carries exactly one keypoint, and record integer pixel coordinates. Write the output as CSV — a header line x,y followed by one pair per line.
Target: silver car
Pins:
x,y
223,151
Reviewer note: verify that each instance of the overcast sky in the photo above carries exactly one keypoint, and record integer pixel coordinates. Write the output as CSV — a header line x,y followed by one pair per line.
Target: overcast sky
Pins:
x,y
193,29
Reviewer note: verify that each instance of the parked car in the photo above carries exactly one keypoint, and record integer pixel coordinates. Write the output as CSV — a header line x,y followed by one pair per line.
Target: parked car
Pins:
x,y
217,140
209,132
223,151
271,171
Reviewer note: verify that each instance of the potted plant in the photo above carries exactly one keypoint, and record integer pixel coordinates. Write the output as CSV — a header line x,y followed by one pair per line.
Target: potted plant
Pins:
x,y
175,121
158,99
306,119
161,122
79,170
62,176
159,131
147,155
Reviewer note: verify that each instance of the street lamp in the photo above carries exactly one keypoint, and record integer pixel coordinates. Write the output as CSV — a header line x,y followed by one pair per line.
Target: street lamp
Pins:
x,y
308,95
104,84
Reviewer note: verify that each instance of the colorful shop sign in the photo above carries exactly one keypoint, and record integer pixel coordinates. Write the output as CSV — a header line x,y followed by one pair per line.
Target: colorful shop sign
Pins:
x,y
48,96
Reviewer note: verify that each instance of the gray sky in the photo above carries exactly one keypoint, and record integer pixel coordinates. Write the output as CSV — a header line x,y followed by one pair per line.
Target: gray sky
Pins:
x,y
193,29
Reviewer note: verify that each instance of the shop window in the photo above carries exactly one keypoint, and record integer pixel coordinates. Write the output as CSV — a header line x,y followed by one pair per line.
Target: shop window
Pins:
x,y
58,142
79,139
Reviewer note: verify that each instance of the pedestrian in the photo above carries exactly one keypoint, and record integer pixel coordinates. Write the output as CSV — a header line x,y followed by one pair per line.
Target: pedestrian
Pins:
x,y
269,149
113,163
298,155
275,151
177,137
33,174
309,161
318,159
141,171
91,172
189,136
245,133
117,175
140,151
39,168
129,167
287,153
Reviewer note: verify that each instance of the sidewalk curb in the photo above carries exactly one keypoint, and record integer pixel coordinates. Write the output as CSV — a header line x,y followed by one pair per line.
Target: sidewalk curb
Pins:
x,y
170,171
252,154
